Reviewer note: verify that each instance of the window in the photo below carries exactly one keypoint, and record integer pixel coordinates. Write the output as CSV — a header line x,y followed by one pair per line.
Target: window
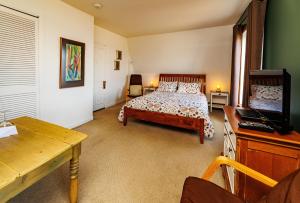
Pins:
x,y
242,68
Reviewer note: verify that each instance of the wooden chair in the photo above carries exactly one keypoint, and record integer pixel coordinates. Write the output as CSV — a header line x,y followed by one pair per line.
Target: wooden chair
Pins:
x,y
201,190
135,86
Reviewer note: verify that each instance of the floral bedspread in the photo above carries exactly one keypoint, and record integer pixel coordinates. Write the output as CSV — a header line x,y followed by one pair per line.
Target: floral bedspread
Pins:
x,y
181,104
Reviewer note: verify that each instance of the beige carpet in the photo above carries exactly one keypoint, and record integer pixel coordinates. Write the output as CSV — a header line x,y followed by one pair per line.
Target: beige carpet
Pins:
x,y
139,163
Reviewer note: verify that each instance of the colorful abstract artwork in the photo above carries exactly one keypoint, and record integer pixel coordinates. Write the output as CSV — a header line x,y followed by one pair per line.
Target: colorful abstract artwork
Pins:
x,y
72,63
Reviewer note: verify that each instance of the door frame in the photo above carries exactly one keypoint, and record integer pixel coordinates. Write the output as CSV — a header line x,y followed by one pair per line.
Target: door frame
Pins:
x,y
104,47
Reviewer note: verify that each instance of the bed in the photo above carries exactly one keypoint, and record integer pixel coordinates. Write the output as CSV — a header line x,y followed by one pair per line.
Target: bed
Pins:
x,y
189,111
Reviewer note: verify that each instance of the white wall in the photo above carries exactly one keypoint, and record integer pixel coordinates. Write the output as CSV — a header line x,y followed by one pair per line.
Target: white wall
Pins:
x,y
197,51
68,107
116,80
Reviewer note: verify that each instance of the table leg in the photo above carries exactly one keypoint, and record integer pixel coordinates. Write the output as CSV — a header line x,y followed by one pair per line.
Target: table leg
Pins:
x,y
125,116
227,101
201,131
74,169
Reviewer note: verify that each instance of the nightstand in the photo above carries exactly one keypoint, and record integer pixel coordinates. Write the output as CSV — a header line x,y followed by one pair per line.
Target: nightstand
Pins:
x,y
218,99
148,89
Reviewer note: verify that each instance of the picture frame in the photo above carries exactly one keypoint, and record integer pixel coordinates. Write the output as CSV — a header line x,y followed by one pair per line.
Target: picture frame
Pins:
x,y
117,65
72,62
119,55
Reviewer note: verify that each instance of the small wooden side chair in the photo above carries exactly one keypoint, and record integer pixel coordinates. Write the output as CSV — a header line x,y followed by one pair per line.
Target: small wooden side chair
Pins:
x,y
201,190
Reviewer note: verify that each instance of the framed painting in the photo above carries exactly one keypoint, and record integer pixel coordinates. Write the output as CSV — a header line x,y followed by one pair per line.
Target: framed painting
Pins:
x,y
117,65
72,55
119,55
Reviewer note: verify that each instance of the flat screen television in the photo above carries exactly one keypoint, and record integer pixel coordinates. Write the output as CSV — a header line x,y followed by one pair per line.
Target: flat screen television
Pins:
x,y
269,95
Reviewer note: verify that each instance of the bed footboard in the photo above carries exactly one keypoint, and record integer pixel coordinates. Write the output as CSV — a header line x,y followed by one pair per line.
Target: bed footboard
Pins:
x,y
166,119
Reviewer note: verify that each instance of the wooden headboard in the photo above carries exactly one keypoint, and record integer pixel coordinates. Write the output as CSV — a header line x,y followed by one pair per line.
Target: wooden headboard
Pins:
x,y
198,78
268,80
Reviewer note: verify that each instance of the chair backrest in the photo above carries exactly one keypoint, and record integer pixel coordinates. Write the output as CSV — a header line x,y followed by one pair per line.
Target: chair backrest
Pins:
x,y
286,191
136,79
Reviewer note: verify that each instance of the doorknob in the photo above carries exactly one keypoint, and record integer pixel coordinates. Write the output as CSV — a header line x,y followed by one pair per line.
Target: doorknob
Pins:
x,y
104,84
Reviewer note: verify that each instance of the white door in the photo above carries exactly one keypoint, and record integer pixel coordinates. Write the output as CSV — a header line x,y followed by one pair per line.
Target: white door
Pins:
x,y
99,76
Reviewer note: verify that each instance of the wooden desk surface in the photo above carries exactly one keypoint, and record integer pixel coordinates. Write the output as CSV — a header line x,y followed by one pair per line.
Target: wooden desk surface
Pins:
x,y
293,138
38,149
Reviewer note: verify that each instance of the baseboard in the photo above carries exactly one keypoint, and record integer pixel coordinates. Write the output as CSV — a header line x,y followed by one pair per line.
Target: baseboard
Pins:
x,y
120,102
115,103
76,125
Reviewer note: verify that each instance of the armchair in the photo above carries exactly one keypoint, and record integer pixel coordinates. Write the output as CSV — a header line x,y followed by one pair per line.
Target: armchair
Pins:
x,y
201,190
135,86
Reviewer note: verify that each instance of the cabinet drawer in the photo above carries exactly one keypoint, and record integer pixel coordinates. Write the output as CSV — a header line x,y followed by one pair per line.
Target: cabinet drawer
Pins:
x,y
230,133
231,177
226,152
231,138
228,148
274,149
231,152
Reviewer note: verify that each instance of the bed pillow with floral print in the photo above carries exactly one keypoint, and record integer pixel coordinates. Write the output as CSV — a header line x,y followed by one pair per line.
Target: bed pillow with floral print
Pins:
x,y
190,88
266,92
167,86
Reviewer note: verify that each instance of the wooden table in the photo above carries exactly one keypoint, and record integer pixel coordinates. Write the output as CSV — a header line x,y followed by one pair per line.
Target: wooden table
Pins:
x,y
37,150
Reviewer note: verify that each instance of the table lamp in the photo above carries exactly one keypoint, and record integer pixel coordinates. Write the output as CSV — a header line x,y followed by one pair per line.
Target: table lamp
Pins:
x,y
218,88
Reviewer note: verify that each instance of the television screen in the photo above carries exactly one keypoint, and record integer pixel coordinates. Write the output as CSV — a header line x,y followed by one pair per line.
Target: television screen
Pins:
x,y
269,93
266,97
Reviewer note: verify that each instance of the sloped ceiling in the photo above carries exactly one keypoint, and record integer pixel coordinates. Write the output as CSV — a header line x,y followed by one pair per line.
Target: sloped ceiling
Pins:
x,y
142,17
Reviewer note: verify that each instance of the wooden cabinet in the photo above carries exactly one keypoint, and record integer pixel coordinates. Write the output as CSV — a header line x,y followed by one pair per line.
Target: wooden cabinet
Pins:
x,y
272,154
270,159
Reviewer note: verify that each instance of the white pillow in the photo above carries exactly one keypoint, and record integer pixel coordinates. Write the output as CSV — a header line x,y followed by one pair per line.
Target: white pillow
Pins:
x,y
190,88
167,86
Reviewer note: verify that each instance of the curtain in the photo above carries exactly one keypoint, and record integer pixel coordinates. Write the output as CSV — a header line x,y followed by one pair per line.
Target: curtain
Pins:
x,y
255,35
254,19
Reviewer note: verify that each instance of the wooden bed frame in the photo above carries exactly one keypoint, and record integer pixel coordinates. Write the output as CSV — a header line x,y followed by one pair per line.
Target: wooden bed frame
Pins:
x,y
170,119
